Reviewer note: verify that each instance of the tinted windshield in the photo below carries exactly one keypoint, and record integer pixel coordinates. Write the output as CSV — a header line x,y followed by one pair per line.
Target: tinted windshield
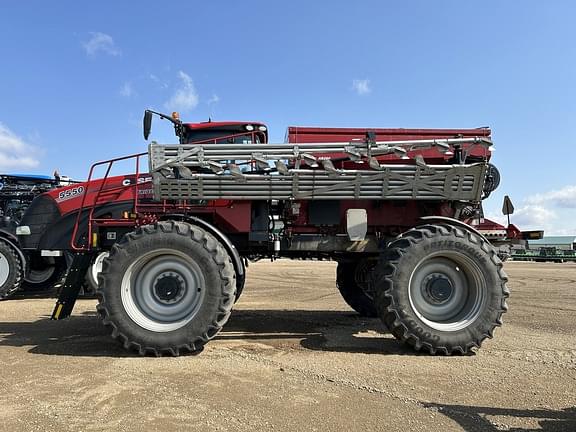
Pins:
x,y
219,136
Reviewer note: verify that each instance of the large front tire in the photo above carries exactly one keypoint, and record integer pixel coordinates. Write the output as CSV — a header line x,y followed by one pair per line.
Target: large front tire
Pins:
x,y
441,289
166,289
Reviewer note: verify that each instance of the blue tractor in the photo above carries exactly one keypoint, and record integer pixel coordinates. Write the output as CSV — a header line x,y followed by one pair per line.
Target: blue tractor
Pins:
x,y
30,272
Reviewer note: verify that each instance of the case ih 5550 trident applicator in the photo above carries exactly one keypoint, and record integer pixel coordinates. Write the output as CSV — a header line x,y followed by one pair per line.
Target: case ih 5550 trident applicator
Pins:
x,y
394,207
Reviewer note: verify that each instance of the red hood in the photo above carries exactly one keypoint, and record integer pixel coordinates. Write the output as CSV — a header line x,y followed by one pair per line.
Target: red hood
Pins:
x,y
84,194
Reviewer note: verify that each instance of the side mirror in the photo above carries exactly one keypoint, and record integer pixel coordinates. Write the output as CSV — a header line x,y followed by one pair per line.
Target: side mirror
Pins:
x,y
507,207
147,122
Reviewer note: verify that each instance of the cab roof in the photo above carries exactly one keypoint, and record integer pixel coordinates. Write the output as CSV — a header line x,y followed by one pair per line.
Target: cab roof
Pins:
x,y
220,124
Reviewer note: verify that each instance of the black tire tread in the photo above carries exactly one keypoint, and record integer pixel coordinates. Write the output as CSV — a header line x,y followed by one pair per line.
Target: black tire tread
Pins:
x,y
389,267
351,292
228,288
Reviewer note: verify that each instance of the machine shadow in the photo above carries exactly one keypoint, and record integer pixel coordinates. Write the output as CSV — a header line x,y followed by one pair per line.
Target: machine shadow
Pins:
x,y
79,335
319,330
476,418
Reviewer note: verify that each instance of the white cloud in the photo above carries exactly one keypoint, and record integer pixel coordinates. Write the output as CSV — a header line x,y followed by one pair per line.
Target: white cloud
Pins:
x,y
158,81
213,100
565,197
15,152
554,212
101,43
126,90
561,231
527,217
533,216
361,87
185,97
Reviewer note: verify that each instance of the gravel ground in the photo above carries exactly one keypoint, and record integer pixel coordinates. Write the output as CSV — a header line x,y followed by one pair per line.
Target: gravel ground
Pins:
x,y
294,357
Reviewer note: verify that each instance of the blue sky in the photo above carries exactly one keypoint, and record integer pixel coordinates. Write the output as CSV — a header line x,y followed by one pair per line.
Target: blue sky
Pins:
x,y
76,77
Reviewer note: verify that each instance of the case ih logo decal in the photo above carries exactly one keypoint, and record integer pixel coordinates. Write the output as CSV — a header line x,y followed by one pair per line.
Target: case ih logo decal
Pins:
x,y
70,193
130,180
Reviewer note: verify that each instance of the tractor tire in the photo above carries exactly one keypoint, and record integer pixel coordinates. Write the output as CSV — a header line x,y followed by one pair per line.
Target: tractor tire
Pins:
x,y
10,271
43,274
355,283
166,289
442,289
91,284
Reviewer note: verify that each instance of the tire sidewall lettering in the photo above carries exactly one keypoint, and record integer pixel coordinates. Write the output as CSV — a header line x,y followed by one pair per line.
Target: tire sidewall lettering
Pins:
x,y
395,306
456,245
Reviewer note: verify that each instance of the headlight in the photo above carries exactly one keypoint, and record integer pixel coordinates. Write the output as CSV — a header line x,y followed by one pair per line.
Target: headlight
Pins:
x,y
23,230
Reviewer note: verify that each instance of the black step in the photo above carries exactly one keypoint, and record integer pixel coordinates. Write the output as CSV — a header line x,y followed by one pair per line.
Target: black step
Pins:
x,y
72,285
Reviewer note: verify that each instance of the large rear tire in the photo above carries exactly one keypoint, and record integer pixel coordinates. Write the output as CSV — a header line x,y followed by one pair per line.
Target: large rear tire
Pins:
x,y
10,271
441,289
166,289
356,285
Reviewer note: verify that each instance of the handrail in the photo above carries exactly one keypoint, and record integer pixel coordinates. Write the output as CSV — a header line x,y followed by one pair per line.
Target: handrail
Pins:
x,y
73,244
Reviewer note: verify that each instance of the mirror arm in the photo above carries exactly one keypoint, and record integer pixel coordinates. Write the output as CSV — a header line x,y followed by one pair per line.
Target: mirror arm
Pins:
x,y
178,127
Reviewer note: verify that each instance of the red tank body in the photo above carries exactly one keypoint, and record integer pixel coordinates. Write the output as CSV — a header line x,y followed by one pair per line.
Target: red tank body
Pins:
x,y
392,217
300,134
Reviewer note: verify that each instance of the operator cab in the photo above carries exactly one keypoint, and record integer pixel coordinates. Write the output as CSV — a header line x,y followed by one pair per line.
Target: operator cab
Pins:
x,y
230,132
225,133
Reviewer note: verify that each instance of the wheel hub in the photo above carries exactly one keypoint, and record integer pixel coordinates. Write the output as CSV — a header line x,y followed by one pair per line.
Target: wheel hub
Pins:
x,y
438,288
163,290
169,287
447,291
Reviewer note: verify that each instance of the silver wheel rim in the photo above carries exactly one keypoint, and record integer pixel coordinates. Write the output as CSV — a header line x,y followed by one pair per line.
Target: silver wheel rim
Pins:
x,y
96,268
163,290
447,291
4,269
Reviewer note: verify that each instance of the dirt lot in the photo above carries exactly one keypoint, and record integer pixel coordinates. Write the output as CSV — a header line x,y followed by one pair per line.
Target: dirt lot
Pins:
x,y
293,357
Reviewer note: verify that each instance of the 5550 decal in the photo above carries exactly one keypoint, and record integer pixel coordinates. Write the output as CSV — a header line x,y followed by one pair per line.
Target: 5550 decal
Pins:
x,y
70,193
